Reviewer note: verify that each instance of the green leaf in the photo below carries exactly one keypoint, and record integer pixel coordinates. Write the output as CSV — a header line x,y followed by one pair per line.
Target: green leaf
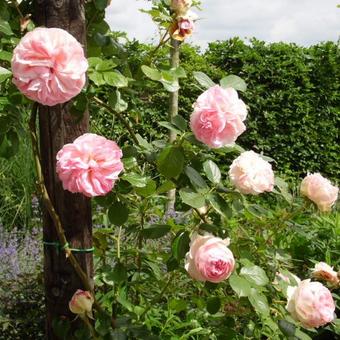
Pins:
x,y
180,122
170,162
259,302
235,82
4,74
212,171
179,72
7,56
195,178
151,73
178,305
170,86
5,27
203,80
119,273
240,285
104,65
101,4
255,275
180,245
192,198
135,179
287,328
116,102
213,305
170,127
156,231
115,79
165,187
118,213
220,205
148,190
97,78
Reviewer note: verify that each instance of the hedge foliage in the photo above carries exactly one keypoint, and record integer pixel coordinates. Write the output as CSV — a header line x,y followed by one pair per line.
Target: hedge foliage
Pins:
x,y
293,96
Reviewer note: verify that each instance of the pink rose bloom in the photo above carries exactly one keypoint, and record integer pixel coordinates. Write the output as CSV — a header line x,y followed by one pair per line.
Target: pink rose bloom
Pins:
x,y
81,303
209,259
218,117
311,303
49,66
323,271
182,28
90,165
319,190
251,174
180,6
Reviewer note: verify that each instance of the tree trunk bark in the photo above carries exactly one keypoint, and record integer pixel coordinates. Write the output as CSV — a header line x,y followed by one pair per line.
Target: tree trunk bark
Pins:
x,y
173,111
58,127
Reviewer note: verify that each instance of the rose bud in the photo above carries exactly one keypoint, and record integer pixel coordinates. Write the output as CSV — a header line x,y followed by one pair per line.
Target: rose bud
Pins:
x,y
323,271
81,303
180,6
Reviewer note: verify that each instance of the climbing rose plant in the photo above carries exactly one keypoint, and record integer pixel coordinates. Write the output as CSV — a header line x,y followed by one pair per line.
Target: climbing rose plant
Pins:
x,y
49,67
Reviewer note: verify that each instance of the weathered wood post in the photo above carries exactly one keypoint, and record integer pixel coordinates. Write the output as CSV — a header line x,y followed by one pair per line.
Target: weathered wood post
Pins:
x,y
58,127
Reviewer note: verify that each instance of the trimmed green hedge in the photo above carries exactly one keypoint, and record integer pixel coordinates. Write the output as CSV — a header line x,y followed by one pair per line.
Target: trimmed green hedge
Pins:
x,y
293,96
294,99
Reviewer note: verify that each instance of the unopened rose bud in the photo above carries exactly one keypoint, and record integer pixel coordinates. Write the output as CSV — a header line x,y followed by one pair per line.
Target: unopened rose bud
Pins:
x,y
81,303
180,7
323,271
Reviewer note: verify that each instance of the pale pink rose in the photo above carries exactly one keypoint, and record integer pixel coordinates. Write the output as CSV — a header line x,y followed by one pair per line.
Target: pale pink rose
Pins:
x,y
251,174
218,117
81,303
90,165
180,6
311,303
182,28
209,259
49,66
319,190
323,271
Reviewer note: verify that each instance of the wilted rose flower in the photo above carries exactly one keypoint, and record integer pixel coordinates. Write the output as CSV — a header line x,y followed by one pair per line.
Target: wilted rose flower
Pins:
x,y
209,259
311,303
251,174
323,271
218,117
180,6
90,165
319,190
81,303
49,66
182,28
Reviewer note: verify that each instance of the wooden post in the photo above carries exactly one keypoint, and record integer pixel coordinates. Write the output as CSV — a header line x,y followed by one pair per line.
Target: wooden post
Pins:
x,y
173,111
58,127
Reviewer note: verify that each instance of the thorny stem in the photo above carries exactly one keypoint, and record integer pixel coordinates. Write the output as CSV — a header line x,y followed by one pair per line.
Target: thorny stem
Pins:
x,y
119,116
50,208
